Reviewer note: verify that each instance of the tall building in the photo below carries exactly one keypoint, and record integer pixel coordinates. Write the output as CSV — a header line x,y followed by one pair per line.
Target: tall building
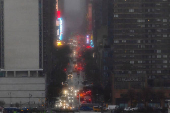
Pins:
x,y
101,40
140,34
22,48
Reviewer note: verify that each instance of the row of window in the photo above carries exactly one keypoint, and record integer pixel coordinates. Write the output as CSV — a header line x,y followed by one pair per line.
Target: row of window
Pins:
x,y
139,10
153,61
135,20
141,26
139,56
143,41
142,61
142,72
143,4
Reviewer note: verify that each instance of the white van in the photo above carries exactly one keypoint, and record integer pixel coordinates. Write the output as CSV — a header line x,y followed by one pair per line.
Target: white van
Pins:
x,y
111,107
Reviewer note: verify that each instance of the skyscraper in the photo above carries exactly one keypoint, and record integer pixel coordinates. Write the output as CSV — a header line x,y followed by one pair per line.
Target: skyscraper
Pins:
x,y
21,48
140,34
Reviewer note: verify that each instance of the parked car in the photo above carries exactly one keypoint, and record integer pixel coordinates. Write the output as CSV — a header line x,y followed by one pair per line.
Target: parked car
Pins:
x,y
111,107
97,108
133,109
127,109
86,108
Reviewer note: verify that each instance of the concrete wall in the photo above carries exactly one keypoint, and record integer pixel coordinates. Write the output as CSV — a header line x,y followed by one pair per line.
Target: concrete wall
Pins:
x,y
17,90
21,34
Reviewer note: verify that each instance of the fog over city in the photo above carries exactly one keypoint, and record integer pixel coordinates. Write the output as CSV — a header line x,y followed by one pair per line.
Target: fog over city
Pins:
x,y
74,12
85,56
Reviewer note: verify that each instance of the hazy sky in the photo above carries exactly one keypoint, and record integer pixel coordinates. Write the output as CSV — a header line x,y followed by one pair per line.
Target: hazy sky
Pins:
x,y
74,13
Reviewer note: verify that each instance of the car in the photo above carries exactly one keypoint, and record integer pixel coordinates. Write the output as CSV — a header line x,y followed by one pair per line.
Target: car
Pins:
x,y
70,75
133,109
111,107
86,108
127,109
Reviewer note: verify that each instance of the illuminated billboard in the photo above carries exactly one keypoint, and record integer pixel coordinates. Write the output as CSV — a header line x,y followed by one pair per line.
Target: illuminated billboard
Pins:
x,y
58,14
91,41
87,39
61,28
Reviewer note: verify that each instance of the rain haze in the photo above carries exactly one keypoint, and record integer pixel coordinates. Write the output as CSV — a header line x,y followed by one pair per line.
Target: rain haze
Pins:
x,y
74,12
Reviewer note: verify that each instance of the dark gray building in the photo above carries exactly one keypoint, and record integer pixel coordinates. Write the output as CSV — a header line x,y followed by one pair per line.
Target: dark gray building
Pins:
x,y
139,39
140,33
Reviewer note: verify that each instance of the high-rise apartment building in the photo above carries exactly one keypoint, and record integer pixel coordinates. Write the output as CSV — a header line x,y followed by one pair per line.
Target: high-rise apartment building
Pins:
x,y
22,48
140,33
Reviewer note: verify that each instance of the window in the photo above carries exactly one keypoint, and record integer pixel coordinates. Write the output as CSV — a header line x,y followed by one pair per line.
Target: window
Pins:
x,y
164,35
164,66
116,15
131,51
153,71
165,61
138,41
165,20
158,56
140,20
139,71
158,51
123,40
158,19
140,61
116,41
131,10
158,66
158,71
164,56
131,62
105,54
158,30
105,68
132,31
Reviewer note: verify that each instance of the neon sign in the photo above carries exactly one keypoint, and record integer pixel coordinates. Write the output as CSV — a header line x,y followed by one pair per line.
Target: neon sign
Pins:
x,y
87,39
91,43
61,28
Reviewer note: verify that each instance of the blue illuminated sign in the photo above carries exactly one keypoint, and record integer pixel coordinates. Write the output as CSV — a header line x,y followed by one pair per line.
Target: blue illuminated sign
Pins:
x,y
91,43
61,28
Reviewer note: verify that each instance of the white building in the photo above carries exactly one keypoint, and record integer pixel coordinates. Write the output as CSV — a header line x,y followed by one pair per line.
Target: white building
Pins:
x,y
21,51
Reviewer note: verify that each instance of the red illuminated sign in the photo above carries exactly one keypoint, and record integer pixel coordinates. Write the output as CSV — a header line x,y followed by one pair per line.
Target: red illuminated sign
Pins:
x,y
88,47
58,14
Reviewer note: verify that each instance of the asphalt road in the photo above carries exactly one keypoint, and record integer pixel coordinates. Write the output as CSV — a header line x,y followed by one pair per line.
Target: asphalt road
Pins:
x,y
75,82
